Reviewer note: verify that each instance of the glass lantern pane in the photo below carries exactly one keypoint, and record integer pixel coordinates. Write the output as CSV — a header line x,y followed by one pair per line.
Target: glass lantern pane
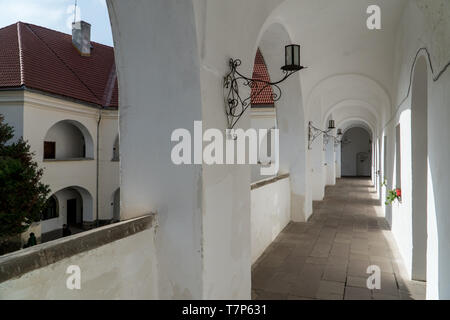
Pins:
x,y
288,55
296,55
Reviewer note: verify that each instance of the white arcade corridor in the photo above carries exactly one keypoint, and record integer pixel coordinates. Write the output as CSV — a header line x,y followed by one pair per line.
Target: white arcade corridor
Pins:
x,y
215,231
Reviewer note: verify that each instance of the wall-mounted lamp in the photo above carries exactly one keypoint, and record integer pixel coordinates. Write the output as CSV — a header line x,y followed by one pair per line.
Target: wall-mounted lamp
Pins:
x,y
331,125
338,138
314,132
343,141
235,105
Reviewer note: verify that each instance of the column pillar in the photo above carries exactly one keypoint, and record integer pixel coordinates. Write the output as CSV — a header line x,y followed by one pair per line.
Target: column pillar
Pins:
x,y
330,160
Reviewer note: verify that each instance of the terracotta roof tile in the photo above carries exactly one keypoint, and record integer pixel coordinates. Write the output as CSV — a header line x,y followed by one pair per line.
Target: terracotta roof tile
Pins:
x,y
50,63
9,57
265,97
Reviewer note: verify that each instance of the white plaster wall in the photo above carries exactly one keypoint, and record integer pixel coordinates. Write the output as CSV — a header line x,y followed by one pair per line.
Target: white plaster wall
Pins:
x,y
62,197
419,165
170,76
426,24
125,269
226,189
262,118
12,110
338,161
401,212
270,214
109,171
316,161
330,161
324,165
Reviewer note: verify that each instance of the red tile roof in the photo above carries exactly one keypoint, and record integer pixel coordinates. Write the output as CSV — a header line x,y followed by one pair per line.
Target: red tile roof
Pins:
x,y
43,59
260,72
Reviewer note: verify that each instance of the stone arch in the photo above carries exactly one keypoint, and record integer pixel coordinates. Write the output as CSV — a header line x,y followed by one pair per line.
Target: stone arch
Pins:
x,y
75,207
183,76
419,168
363,109
356,156
370,127
87,212
349,87
68,139
330,96
357,122
290,118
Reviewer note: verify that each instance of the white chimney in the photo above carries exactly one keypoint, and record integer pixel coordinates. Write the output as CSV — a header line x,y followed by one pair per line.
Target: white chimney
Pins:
x,y
81,37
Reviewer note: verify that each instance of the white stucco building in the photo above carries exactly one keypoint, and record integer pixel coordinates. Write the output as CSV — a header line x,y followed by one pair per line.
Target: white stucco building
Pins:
x,y
63,99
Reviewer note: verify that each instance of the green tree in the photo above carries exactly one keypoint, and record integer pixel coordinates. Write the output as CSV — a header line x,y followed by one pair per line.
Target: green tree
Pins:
x,y
22,195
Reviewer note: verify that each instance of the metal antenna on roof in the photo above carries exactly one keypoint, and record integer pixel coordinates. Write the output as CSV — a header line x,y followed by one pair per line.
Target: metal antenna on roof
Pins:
x,y
75,12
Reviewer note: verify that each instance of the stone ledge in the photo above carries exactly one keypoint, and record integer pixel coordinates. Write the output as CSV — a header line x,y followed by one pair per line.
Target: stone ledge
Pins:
x,y
16,264
263,183
68,160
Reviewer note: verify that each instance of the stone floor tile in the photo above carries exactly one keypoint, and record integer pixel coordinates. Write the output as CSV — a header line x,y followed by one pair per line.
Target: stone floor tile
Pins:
x,y
312,271
307,288
337,261
260,277
335,274
279,283
352,293
358,282
382,296
360,257
329,296
405,295
331,287
267,295
315,260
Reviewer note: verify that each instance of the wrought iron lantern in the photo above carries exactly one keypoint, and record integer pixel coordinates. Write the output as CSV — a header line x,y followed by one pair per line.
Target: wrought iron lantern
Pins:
x,y
292,58
338,138
331,125
235,105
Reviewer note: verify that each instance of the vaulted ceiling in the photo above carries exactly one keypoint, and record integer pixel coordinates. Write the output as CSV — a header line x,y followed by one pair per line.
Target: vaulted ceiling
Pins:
x,y
346,61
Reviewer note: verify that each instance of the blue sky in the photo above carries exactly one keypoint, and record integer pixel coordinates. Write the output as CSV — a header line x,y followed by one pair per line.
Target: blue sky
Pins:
x,y
58,14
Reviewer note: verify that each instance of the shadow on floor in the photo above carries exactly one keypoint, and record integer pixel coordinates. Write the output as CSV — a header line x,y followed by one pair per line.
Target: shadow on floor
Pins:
x,y
328,256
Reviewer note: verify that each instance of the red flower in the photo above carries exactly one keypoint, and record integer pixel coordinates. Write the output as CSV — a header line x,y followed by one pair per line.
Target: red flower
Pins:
x,y
398,192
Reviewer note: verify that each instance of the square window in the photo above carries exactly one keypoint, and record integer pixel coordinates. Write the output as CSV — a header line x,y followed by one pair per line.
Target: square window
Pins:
x,y
49,150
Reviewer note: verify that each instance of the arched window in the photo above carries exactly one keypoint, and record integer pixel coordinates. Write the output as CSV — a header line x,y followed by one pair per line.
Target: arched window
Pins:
x,y
51,209
68,140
